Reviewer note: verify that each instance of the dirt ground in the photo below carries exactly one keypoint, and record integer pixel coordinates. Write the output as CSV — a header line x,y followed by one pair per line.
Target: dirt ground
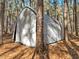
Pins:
x,y
59,50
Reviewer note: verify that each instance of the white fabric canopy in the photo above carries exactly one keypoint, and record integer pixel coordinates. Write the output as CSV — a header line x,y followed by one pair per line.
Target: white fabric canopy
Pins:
x,y
26,29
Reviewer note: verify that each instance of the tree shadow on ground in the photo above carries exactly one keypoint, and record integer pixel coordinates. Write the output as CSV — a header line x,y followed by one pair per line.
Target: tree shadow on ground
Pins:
x,y
9,50
72,52
19,54
23,52
74,45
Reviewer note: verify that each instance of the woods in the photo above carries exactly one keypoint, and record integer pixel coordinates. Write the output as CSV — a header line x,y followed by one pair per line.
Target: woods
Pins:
x,y
39,24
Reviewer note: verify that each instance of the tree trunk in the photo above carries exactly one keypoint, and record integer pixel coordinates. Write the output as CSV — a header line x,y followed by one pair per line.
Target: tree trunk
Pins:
x,y
55,6
75,17
2,8
6,25
70,20
65,21
41,47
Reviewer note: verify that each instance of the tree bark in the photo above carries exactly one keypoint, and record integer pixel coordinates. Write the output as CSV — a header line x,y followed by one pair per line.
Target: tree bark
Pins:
x,y
75,17
70,20
55,6
6,28
65,21
2,9
41,47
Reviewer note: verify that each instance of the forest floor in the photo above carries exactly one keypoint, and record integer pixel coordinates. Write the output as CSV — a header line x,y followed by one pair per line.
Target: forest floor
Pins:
x,y
59,50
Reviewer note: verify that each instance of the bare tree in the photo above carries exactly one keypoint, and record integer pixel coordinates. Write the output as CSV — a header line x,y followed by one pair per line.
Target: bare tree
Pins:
x,y
2,9
69,18
65,21
41,47
55,6
75,17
